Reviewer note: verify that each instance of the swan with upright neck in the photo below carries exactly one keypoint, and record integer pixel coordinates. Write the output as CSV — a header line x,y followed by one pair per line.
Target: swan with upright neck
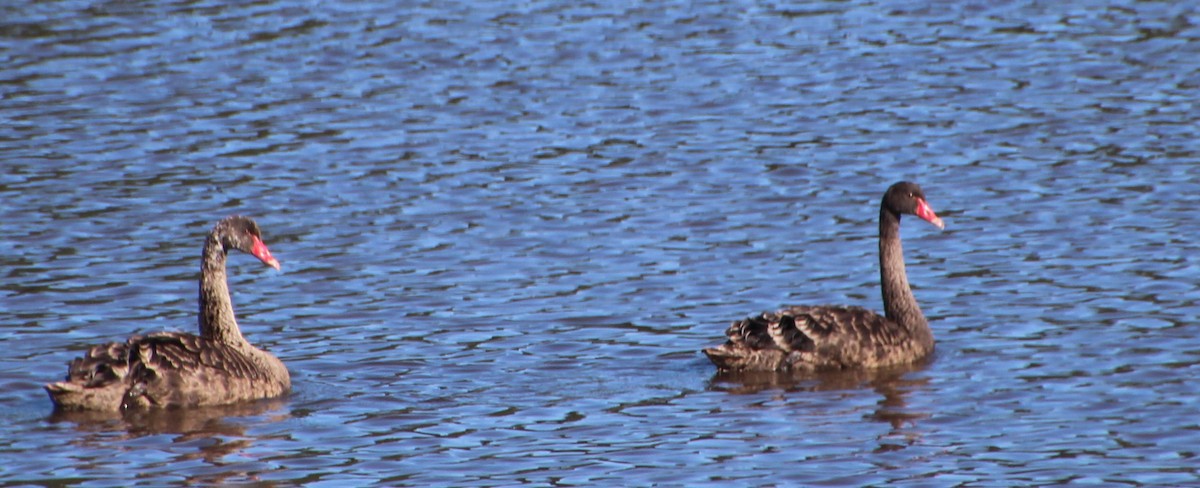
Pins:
x,y
839,337
175,369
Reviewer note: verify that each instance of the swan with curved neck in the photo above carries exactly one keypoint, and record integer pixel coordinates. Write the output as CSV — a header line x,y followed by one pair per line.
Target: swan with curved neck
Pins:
x,y
836,337
175,369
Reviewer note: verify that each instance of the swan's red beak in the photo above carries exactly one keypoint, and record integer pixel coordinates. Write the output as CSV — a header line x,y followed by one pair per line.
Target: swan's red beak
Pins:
x,y
924,211
260,251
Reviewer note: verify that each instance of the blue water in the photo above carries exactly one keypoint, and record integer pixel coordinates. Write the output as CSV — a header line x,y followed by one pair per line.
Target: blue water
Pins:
x,y
507,229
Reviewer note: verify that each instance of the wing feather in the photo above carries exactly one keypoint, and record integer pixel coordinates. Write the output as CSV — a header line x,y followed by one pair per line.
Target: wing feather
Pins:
x,y
811,337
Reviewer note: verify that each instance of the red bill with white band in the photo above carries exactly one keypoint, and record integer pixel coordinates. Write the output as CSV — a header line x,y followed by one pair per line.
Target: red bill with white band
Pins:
x,y
924,211
260,251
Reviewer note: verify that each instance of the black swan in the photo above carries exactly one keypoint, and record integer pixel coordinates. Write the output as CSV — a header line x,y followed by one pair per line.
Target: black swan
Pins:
x,y
175,369
837,337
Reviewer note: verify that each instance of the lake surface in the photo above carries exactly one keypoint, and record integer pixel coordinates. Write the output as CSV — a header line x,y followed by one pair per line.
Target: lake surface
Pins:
x,y
507,229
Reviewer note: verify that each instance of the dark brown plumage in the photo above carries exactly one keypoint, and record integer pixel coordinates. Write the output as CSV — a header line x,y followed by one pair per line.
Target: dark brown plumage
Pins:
x,y
835,337
174,369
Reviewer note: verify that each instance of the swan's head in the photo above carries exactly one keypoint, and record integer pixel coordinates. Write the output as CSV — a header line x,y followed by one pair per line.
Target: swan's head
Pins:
x,y
906,197
243,234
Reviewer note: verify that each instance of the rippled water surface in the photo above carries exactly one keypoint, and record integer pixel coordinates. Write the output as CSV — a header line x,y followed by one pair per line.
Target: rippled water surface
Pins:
x,y
507,229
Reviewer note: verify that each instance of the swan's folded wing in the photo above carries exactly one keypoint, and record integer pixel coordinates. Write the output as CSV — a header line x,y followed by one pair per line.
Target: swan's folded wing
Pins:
x,y
803,336
170,368
762,342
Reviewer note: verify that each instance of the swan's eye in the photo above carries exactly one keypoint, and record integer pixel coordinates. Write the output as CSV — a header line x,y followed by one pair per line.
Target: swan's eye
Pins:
x,y
910,194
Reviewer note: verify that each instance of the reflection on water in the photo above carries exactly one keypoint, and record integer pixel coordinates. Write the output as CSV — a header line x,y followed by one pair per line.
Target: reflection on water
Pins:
x,y
892,385
189,424
211,435
201,422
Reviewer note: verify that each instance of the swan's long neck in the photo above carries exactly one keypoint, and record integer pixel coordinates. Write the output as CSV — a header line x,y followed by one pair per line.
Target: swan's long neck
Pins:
x,y
217,320
899,304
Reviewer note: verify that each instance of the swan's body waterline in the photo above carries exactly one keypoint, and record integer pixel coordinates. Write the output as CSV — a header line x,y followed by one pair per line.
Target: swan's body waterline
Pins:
x,y
174,369
834,337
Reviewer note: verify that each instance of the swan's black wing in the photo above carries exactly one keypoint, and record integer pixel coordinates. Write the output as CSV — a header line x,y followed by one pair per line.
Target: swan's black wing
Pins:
x,y
809,337
177,369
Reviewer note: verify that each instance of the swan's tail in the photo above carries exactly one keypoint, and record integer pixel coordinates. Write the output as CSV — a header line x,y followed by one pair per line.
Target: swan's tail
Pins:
x,y
95,381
